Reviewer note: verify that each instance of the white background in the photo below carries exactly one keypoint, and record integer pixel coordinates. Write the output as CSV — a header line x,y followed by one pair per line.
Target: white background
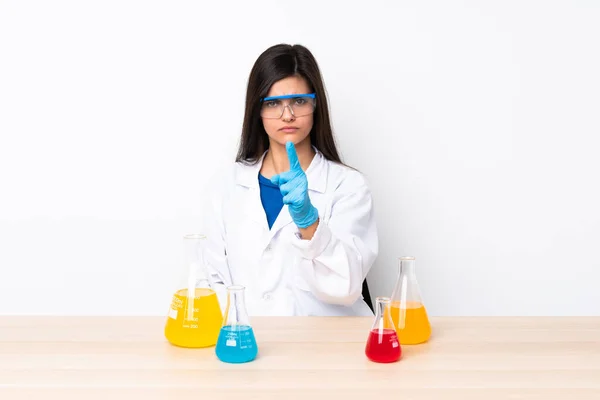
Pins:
x,y
476,123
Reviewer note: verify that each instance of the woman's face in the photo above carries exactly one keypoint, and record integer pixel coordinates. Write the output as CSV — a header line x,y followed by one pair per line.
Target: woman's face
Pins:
x,y
289,128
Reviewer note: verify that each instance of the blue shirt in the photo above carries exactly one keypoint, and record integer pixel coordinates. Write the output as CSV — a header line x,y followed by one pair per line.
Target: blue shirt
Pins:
x,y
271,198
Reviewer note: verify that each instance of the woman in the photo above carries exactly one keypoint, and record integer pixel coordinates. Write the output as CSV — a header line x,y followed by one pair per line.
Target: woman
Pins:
x,y
289,221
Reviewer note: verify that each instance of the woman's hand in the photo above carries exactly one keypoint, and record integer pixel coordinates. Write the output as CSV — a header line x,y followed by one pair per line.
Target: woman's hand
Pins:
x,y
293,185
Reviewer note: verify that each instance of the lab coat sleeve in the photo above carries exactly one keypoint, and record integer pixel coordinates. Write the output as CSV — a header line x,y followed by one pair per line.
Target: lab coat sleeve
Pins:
x,y
336,260
215,250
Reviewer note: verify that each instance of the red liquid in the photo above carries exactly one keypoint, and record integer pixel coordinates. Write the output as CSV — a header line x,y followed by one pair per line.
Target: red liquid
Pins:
x,y
384,347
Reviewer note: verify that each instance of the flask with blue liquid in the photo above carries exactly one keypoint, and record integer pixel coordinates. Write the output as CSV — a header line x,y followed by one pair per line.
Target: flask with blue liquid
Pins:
x,y
236,342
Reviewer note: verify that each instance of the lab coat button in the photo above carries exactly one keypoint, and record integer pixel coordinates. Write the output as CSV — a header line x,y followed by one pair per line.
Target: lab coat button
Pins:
x,y
267,296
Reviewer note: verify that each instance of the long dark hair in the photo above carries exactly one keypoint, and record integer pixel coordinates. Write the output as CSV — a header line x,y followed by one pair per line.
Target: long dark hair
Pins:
x,y
276,63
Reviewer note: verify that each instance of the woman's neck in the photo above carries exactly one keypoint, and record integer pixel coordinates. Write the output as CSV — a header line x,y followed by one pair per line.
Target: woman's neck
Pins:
x,y
276,161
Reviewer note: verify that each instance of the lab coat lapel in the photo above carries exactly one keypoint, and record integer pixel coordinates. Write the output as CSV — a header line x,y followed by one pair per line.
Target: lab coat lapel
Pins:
x,y
283,219
247,176
253,207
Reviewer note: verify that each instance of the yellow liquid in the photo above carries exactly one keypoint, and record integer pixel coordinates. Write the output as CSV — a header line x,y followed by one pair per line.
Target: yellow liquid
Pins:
x,y
411,321
202,329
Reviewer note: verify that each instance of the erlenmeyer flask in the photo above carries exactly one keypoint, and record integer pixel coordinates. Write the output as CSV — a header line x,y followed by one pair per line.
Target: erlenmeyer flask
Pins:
x,y
236,342
382,344
195,316
408,312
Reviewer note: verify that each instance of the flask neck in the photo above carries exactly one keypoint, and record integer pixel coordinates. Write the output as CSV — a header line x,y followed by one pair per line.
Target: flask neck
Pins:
x,y
383,319
194,263
380,305
406,292
193,249
236,307
406,266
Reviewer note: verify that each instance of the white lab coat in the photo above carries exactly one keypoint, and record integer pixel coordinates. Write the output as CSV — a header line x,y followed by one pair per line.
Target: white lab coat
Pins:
x,y
283,274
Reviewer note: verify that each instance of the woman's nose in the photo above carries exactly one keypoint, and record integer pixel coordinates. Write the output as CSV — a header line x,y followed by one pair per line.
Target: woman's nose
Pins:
x,y
288,114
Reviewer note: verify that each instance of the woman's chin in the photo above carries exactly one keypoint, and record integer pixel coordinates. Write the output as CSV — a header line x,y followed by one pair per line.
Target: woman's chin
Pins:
x,y
295,137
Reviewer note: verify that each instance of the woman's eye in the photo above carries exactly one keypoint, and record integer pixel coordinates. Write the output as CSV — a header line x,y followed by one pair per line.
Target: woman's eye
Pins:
x,y
300,101
271,103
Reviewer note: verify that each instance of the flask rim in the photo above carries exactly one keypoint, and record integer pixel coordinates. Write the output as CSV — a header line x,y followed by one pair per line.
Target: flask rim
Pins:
x,y
406,258
235,288
194,236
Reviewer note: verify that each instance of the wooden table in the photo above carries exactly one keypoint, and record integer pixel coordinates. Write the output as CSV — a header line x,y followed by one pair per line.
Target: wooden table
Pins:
x,y
467,358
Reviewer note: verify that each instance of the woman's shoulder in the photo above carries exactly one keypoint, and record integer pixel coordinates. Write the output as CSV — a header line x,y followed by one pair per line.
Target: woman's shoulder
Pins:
x,y
222,173
345,178
229,171
227,176
220,180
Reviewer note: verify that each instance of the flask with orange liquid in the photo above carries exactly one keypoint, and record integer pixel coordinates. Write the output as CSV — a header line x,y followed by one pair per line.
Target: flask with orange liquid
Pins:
x,y
408,312
195,316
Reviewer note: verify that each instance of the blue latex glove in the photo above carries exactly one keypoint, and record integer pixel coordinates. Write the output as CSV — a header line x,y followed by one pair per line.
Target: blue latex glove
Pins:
x,y
294,188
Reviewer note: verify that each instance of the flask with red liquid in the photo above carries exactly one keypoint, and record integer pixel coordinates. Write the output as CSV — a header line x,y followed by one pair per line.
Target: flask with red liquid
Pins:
x,y
383,345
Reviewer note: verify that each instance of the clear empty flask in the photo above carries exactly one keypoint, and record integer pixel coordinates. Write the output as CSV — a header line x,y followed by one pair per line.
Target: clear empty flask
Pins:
x,y
382,344
407,309
195,316
236,343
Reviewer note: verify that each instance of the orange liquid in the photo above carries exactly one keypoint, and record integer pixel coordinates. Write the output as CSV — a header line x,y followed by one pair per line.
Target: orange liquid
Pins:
x,y
201,327
411,321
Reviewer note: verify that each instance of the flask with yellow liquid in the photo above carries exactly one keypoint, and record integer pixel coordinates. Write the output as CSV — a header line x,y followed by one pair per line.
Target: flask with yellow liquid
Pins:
x,y
407,308
195,317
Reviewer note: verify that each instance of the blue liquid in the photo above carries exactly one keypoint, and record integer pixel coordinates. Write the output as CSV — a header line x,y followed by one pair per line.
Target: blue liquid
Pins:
x,y
236,344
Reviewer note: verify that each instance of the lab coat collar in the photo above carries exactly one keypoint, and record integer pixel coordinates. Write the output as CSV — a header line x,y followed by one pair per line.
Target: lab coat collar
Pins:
x,y
316,173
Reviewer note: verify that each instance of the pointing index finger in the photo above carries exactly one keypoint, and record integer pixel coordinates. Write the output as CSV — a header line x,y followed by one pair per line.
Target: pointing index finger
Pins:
x,y
292,156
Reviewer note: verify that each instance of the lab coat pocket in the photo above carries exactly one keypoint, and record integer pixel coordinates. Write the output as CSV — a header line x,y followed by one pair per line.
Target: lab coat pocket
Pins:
x,y
302,294
300,283
299,280
242,260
